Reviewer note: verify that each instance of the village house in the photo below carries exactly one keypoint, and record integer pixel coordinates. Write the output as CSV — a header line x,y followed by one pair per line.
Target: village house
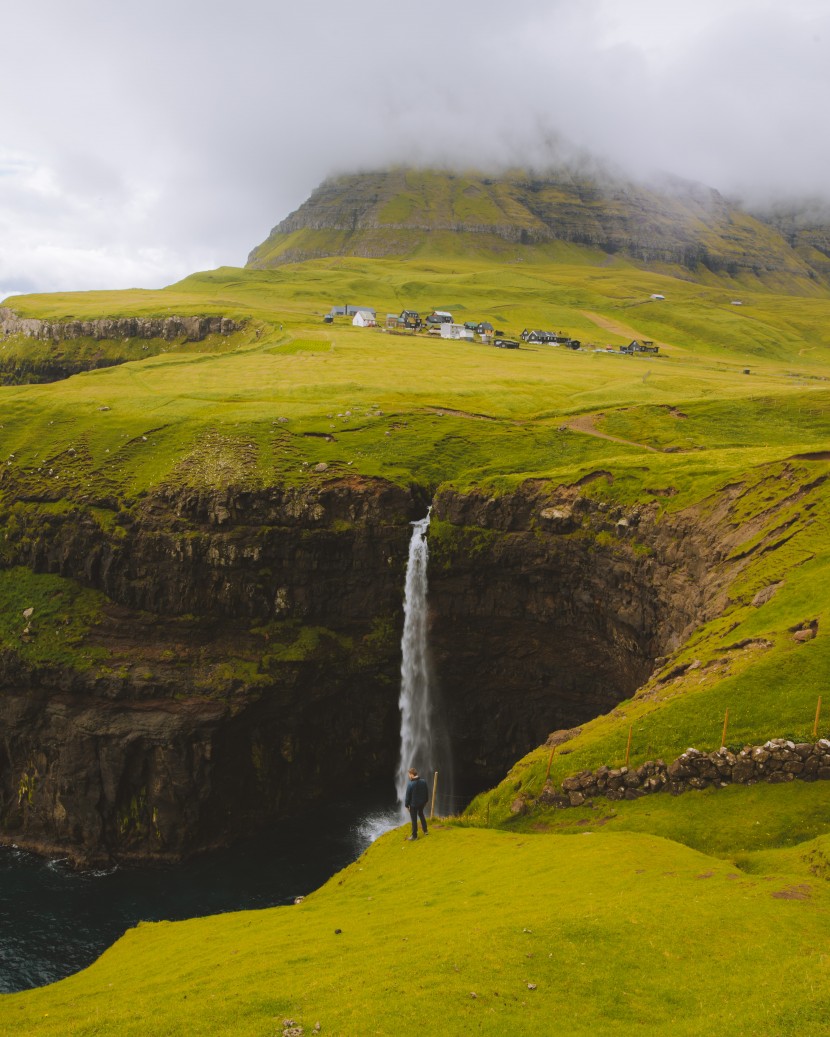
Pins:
x,y
365,319
637,346
439,317
536,335
458,332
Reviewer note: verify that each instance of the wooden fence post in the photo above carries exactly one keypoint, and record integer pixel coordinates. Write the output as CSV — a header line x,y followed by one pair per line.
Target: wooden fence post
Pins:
x,y
725,724
628,746
818,714
434,790
550,761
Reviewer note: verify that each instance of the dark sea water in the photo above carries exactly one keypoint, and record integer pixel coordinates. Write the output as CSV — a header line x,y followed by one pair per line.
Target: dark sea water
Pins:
x,y
55,921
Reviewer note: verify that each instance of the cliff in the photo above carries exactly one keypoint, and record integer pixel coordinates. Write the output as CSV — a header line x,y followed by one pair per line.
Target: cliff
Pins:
x,y
191,329
35,350
244,664
244,657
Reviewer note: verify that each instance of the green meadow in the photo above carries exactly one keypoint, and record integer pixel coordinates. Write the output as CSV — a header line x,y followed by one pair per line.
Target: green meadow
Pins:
x,y
472,931
663,915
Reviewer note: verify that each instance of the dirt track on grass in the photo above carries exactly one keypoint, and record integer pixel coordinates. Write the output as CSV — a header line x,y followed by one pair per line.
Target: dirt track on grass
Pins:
x,y
585,423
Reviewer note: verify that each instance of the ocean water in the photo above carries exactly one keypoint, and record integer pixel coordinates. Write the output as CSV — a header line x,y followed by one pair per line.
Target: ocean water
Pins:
x,y
55,921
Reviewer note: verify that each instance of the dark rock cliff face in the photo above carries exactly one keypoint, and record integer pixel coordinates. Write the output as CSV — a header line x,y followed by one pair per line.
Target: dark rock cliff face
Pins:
x,y
250,668
191,329
547,612
252,646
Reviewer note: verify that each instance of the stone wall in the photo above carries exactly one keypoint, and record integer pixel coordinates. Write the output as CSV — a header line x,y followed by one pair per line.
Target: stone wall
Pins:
x,y
778,760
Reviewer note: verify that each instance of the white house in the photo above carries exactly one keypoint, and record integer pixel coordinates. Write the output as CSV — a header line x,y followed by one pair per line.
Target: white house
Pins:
x,y
457,331
364,319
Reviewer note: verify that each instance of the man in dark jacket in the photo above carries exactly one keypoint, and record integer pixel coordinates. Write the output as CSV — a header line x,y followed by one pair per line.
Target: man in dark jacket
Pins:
x,y
416,798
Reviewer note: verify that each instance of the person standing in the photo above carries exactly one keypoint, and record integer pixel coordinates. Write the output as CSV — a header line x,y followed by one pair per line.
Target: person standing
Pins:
x,y
415,800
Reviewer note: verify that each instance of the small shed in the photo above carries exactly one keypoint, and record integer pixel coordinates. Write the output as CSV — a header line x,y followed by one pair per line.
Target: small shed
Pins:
x,y
364,319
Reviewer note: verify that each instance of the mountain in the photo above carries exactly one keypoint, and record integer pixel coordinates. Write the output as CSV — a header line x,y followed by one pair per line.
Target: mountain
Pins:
x,y
805,226
519,215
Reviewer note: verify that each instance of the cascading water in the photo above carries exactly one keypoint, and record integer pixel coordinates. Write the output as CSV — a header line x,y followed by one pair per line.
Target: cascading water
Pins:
x,y
424,738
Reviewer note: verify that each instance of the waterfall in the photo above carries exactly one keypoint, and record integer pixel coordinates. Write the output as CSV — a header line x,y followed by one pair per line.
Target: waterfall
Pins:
x,y
424,738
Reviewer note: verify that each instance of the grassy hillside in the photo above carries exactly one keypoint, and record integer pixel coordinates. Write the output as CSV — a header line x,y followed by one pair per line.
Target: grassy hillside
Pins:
x,y
675,913
483,932
356,385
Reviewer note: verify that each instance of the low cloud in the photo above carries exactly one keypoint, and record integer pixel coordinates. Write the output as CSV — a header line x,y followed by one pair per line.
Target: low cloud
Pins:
x,y
149,141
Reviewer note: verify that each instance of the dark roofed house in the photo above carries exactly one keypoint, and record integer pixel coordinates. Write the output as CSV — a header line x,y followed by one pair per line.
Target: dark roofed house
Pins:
x,y
537,335
637,346
439,317
410,319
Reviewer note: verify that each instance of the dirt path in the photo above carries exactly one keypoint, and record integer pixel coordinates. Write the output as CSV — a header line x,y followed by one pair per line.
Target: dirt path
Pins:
x,y
616,327
585,423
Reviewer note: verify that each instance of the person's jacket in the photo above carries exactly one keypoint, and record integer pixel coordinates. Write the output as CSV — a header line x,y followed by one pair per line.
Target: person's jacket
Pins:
x,y
417,793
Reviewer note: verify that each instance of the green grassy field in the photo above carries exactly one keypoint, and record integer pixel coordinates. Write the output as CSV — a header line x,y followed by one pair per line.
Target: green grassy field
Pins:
x,y
343,389
471,931
675,913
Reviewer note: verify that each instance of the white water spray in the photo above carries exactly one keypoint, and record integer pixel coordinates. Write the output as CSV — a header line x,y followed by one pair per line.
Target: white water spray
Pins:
x,y
424,743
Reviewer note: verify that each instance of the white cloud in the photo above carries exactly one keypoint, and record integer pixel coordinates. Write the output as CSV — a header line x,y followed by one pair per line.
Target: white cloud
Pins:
x,y
150,140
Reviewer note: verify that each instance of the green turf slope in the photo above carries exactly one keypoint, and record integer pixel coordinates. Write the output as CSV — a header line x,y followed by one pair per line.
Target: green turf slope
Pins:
x,y
477,932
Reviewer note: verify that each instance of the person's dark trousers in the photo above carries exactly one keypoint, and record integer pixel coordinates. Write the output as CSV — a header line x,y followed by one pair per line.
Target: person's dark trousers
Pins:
x,y
415,813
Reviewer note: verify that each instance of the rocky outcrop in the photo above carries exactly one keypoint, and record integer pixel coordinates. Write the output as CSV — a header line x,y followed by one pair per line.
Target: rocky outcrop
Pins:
x,y
189,329
778,760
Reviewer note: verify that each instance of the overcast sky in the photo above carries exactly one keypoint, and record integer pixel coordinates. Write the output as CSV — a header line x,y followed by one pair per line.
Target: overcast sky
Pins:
x,y
143,141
